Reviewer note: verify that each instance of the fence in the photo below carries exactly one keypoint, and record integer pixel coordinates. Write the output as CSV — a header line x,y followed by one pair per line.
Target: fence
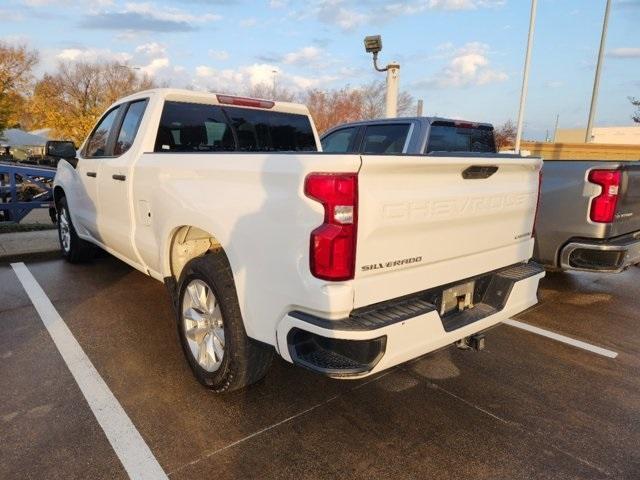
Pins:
x,y
582,151
23,188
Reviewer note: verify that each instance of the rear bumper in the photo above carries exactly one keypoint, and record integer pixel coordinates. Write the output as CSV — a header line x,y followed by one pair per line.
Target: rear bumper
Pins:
x,y
381,336
608,256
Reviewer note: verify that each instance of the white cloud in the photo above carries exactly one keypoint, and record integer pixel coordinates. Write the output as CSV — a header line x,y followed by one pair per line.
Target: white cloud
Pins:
x,y
145,17
554,84
467,66
155,66
219,54
350,14
413,7
168,14
152,49
92,55
334,12
248,75
11,15
248,22
304,56
237,80
47,3
625,52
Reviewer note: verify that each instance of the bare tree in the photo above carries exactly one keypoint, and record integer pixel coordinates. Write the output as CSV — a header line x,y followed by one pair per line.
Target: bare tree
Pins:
x,y
333,107
71,100
505,135
374,101
16,63
271,92
636,103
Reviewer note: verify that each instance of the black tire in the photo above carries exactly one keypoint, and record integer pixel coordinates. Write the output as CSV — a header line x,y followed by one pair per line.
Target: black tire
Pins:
x,y
245,361
78,250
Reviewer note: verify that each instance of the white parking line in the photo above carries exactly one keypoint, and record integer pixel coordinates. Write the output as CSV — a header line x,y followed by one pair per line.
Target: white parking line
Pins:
x,y
561,338
133,452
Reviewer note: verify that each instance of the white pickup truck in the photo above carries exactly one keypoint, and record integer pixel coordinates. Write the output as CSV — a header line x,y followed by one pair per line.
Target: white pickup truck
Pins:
x,y
345,264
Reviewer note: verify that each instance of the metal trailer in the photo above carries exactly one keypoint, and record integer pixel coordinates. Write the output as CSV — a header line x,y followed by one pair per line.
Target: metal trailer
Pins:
x,y
24,188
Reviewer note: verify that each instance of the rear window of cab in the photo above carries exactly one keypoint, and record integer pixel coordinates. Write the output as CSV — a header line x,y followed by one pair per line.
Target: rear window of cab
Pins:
x,y
195,127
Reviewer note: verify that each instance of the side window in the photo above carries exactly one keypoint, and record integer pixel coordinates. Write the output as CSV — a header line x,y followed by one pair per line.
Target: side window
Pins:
x,y
385,138
339,141
193,127
129,126
97,143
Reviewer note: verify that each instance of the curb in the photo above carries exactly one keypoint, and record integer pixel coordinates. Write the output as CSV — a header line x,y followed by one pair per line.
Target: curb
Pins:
x,y
30,256
35,245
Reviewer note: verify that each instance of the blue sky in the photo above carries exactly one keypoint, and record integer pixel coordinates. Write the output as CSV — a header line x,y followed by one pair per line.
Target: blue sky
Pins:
x,y
462,57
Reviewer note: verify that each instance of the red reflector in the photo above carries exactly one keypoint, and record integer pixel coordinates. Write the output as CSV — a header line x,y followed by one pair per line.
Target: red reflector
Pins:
x,y
332,251
603,207
245,102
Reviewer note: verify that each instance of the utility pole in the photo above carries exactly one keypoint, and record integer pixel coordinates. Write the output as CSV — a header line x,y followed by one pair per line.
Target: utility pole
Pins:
x,y
555,130
393,83
275,74
525,75
596,81
420,107
373,44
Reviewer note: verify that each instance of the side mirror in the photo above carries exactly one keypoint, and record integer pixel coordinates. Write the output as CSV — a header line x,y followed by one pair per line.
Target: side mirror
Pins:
x,y
60,149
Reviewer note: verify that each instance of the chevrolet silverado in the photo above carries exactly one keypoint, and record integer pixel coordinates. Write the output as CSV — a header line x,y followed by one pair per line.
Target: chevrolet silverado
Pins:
x,y
345,264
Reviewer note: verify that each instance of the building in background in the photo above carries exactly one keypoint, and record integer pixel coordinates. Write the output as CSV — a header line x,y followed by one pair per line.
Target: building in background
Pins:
x,y
610,135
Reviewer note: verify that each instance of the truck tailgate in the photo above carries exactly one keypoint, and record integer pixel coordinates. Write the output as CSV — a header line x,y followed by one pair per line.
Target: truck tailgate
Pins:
x,y
628,210
427,221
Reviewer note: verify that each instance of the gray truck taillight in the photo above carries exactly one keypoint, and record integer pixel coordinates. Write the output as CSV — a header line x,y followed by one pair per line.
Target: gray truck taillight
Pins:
x,y
603,207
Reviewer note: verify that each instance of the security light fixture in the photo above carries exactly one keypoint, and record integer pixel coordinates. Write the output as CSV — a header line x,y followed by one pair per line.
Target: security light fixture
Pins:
x,y
373,44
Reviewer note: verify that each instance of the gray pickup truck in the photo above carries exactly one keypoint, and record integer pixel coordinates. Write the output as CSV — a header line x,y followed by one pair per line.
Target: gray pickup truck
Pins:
x,y
589,213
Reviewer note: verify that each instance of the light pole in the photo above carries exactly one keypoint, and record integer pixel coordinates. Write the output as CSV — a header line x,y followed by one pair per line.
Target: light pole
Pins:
x,y
275,74
596,81
373,44
525,74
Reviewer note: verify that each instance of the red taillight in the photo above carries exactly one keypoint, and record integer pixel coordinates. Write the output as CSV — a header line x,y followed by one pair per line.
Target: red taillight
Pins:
x,y
245,102
332,253
603,207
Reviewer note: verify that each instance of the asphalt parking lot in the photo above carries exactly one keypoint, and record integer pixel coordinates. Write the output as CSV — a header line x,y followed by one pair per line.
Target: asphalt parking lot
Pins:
x,y
527,407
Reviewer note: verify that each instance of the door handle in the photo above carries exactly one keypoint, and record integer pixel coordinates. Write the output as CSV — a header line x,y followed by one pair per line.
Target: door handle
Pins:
x,y
122,178
92,174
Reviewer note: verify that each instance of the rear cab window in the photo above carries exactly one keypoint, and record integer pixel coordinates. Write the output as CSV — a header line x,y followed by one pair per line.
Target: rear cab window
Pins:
x,y
385,138
446,136
195,127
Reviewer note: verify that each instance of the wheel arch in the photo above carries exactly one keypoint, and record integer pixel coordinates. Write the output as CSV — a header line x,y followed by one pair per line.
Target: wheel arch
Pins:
x,y
58,194
185,243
